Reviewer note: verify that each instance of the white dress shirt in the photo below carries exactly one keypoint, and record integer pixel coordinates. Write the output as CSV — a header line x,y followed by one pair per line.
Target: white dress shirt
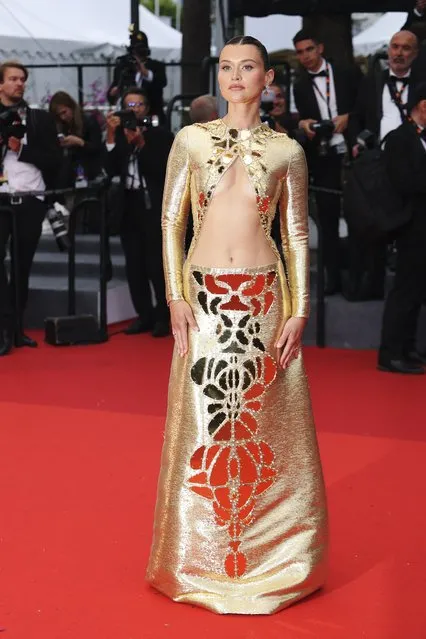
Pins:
x,y
133,182
140,79
391,118
321,98
21,176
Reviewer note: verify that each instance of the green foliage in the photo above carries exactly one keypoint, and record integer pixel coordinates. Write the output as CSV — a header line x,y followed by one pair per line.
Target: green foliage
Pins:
x,y
167,8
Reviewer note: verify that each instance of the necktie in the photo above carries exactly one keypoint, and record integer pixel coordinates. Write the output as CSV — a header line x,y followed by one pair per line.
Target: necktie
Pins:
x,y
394,79
320,74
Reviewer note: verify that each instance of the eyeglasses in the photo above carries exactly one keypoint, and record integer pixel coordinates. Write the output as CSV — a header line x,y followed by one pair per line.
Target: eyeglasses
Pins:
x,y
136,104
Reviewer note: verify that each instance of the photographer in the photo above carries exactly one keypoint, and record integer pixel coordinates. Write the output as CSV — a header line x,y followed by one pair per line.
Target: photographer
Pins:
x,y
80,138
29,156
274,106
325,95
137,69
405,157
138,153
381,107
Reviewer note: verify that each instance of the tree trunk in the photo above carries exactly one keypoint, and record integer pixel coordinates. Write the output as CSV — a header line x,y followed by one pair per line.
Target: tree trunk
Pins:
x,y
335,31
195,43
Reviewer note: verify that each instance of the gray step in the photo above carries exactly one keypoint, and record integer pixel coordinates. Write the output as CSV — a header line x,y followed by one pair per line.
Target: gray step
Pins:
x,y
84,244
48,297
87,264
354,325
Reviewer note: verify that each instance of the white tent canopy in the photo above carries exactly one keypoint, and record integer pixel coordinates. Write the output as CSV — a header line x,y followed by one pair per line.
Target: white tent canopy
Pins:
x,y
379,34
55,32
85,21
275,32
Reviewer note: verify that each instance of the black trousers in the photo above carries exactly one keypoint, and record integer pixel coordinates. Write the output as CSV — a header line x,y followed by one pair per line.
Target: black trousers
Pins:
x,y
29,217
367,267
327,172
403,305
142,245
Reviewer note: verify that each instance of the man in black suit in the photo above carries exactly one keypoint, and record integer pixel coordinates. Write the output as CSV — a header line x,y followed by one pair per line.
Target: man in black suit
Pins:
x,y
138,155
416,16
27,163
405,154
137,69
380,108
325,91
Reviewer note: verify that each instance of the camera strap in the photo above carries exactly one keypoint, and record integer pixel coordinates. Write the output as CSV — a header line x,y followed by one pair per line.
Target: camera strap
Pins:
x,y
396,96
327,97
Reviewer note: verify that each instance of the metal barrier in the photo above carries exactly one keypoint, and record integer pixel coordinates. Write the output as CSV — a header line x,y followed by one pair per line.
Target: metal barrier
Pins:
x,y
321,325
94,194
184,97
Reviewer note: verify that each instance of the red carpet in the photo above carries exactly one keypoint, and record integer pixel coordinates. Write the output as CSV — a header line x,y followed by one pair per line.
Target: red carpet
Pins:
x,y
80,438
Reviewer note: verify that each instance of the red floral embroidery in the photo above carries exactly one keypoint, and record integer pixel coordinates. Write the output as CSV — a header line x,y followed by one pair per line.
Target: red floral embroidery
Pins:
x,y
237,466
257,288
202,200
236,469
263,203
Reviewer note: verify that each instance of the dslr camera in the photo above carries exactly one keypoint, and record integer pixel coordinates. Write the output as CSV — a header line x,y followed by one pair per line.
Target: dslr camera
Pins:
x,y
128,65
266,106
366,140
129,121
324,130
12,124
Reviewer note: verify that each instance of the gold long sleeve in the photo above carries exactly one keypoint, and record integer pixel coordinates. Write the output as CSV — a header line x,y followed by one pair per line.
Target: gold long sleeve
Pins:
x,y
295,230
176,205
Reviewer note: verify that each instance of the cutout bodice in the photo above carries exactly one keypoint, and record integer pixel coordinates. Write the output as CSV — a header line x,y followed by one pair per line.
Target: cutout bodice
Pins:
x,y
276,169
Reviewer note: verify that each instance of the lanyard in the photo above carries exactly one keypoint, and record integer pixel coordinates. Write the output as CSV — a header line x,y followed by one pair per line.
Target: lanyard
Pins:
x,y
327,96
396,96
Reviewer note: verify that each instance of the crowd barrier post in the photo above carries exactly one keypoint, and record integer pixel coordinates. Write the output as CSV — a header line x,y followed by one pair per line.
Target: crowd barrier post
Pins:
x,y
94,194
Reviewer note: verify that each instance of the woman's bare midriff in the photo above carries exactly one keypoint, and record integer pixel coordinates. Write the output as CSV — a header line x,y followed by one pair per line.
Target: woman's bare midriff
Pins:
x,y
232,234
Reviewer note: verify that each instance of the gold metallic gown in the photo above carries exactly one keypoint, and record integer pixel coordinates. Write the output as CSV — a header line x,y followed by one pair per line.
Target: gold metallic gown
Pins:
x,y
241,520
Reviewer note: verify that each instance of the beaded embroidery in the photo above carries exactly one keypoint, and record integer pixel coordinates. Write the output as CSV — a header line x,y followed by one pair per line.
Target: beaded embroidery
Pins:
x,y
237,466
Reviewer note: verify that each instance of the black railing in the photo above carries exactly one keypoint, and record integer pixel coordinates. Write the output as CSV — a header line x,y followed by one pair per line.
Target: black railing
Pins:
x,y
94,195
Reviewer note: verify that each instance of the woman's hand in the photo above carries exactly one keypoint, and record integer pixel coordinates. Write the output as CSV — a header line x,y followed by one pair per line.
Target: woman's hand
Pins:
x,y
181,317
71,140
289,344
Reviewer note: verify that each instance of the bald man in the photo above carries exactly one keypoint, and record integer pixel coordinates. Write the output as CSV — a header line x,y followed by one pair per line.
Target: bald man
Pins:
x,y
381,108
203,109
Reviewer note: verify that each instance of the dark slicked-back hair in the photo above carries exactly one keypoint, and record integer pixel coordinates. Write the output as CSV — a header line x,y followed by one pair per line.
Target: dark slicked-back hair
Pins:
x,y
306,34
256,43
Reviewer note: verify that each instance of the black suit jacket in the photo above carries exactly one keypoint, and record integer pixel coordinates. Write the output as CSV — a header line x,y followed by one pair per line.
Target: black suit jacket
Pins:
x,y
368,110
412,20
406,164
153,89
346,82
152,162
90,156
42,148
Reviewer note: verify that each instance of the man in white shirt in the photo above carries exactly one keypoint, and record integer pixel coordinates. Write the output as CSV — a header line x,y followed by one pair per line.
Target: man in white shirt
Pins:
x,y
405,156
382,100
325,92
137,69
381,107
138,156
29,158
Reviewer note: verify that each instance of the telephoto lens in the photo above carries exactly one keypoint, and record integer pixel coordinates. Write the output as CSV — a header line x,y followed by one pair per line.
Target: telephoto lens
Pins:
x,y
56,219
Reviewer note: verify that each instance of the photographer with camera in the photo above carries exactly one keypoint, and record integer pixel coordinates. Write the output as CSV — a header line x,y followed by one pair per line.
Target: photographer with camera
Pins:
x,y
29,157
381,107
138,153
325,94
137,69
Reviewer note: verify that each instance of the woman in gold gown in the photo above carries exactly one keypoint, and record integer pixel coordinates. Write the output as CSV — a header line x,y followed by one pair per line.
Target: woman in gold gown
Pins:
x,y
241,520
